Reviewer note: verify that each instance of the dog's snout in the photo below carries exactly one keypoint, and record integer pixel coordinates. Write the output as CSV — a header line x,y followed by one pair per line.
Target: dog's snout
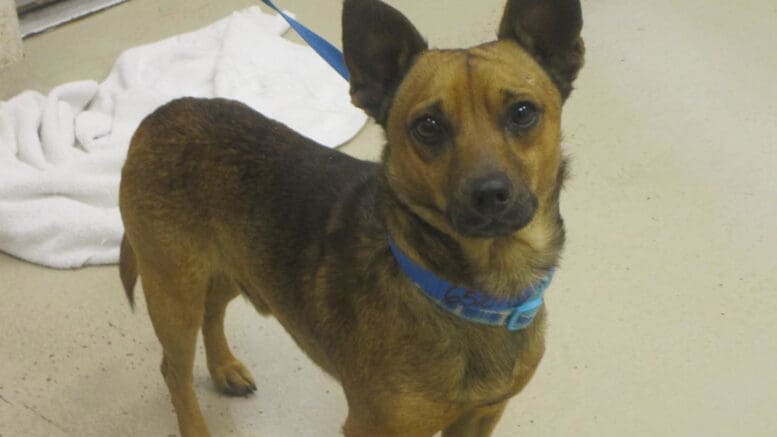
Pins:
x,y
492,195
491,206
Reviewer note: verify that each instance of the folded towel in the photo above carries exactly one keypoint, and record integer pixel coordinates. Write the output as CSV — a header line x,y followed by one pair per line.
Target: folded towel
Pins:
x,y
61,154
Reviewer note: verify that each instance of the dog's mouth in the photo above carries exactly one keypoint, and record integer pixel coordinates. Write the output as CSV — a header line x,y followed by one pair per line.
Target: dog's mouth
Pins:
x,y
490,229
474,225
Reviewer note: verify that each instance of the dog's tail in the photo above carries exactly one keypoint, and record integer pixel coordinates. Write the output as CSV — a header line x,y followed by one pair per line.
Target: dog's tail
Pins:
x,y
128,270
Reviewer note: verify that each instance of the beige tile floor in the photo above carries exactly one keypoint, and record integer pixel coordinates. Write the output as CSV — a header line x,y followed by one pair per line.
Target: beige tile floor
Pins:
x,y
662,318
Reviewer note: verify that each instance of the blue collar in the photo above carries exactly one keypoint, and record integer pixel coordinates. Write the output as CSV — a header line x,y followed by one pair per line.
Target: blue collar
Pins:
x,y
514,314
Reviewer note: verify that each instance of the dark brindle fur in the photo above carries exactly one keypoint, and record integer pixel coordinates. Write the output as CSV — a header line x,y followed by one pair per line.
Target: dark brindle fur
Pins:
x,y
218,200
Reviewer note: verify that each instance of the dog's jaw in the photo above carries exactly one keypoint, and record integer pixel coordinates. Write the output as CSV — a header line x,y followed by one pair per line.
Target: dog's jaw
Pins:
x,y
503,264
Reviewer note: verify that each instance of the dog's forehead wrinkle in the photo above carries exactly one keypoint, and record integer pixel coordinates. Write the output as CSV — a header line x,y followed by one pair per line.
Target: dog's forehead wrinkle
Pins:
x,y
510,60
435,106
513,95
451,72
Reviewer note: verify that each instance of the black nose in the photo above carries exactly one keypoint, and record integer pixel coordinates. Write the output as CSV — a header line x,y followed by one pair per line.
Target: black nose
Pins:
x,y
492,195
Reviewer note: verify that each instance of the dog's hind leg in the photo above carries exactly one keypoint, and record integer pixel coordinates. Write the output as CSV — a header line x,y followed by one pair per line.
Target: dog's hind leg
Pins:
x,y
176,304
228,373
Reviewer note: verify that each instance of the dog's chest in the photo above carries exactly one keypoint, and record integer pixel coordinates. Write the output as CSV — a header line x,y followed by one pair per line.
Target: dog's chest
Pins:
x,y
485,369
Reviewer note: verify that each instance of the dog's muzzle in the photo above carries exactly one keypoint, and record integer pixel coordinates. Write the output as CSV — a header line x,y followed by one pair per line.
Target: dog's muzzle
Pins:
x,y
492,206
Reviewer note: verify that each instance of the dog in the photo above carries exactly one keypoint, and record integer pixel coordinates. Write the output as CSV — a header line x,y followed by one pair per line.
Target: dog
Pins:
x,y
219,201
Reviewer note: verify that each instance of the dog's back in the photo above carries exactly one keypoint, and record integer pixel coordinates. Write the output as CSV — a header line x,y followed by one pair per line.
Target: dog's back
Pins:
x,y
195,159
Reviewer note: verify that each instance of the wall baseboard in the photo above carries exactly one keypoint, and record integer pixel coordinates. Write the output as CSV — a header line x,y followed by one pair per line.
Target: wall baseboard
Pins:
x,y
51,16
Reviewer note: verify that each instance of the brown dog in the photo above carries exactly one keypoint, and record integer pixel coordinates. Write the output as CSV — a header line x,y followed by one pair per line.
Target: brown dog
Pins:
x,y
218,200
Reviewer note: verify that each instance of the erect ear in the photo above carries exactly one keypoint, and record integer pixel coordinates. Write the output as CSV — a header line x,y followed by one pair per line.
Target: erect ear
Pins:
x,y
379,44
550,31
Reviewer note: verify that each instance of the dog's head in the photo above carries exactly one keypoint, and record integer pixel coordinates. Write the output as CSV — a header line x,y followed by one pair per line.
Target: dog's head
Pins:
x,y
473,135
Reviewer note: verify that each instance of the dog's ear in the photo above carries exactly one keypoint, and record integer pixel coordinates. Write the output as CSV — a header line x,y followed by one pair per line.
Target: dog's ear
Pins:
x,y
379,44
550,31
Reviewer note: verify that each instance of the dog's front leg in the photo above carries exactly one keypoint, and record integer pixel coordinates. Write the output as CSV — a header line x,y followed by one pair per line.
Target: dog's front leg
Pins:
x,y
366,425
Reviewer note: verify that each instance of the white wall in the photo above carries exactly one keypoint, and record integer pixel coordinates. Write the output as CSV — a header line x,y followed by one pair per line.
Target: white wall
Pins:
x,y
10,42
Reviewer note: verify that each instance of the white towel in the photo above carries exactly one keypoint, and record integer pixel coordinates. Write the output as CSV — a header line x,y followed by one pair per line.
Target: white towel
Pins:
x,y
61,154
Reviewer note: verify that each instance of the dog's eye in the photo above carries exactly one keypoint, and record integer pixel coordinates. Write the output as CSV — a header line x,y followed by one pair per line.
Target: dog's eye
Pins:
x,y
522,116
428,130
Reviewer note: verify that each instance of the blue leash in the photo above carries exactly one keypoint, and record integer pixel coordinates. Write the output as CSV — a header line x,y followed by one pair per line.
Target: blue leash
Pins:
x,y
331,54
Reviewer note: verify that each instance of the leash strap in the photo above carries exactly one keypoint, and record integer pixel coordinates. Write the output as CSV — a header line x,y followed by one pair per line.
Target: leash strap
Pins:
x,y
331,54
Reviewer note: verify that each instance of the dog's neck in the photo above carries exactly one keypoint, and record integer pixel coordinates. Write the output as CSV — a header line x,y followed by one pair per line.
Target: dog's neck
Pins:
x,y
502,267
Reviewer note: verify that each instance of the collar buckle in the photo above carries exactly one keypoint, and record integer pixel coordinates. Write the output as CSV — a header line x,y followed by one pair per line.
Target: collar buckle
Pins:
x,y
524,315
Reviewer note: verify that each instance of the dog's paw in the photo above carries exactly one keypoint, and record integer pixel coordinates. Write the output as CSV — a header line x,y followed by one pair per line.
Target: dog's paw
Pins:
x,y
233,379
